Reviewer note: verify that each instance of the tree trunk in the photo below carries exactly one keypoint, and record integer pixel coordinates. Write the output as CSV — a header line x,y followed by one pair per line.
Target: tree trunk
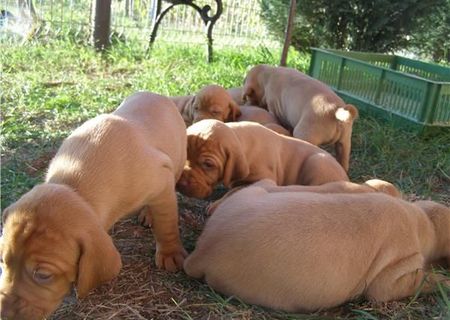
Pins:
x,y
101,20
287,40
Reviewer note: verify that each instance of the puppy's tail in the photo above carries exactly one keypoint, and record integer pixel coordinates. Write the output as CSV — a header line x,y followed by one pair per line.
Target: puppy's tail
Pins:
x,y
347,113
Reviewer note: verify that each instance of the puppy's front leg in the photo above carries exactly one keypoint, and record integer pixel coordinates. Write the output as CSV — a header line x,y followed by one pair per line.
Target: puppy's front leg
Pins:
x,y
170,253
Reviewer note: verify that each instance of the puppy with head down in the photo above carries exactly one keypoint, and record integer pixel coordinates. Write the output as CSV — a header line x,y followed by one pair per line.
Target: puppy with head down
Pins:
x,y
309,107
214,102
55,236
305,251
244,152
211,102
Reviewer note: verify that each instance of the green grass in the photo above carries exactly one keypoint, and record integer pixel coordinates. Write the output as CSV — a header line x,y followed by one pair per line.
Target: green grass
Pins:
x,y
49,88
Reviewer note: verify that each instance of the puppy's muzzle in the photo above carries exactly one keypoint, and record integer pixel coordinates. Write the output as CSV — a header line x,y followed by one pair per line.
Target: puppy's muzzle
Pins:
x,y
191,187
182,185
13,307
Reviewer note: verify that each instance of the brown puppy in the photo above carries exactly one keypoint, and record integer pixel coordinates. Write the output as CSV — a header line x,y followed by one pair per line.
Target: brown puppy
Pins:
x,y
313,111
256,114
372,185
214,102
239,152
211,102
303,251
56,234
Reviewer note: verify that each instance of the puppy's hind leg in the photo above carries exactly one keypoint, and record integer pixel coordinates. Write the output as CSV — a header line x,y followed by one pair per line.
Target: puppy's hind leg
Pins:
x,y
404,279
342,154
343,147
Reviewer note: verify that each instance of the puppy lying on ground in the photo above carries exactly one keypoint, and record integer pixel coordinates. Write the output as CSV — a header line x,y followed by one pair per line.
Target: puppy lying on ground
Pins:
x,y
303,251
56,234
372,185
314,112
211,102
243,152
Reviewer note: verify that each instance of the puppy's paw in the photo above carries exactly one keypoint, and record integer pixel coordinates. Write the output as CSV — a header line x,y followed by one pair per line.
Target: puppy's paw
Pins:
x,y
383,186
145,217
171,261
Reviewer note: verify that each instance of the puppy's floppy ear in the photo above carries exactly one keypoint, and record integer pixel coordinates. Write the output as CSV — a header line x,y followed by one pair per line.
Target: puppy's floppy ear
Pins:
x,y
99,261
235,111
236,165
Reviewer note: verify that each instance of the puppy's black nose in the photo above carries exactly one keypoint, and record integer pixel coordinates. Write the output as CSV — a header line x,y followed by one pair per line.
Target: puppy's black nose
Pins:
x,y
182,184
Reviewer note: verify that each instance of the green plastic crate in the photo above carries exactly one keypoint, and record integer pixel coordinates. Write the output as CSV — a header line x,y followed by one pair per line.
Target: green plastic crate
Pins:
x,y
414,92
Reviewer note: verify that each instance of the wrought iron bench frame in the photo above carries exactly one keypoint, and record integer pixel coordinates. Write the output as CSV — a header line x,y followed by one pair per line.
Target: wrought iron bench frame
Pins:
x,y
204,12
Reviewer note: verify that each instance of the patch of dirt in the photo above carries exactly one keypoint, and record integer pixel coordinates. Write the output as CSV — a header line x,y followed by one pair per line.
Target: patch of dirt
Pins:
x,y
35,167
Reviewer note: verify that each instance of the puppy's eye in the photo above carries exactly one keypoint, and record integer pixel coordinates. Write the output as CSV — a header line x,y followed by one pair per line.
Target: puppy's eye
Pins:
x,y
42,276
208,165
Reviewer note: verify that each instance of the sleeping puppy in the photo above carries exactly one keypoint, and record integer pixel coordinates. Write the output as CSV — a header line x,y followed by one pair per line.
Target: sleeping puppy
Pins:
x,y
303,251
55,235
244,152
313,111
211,102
